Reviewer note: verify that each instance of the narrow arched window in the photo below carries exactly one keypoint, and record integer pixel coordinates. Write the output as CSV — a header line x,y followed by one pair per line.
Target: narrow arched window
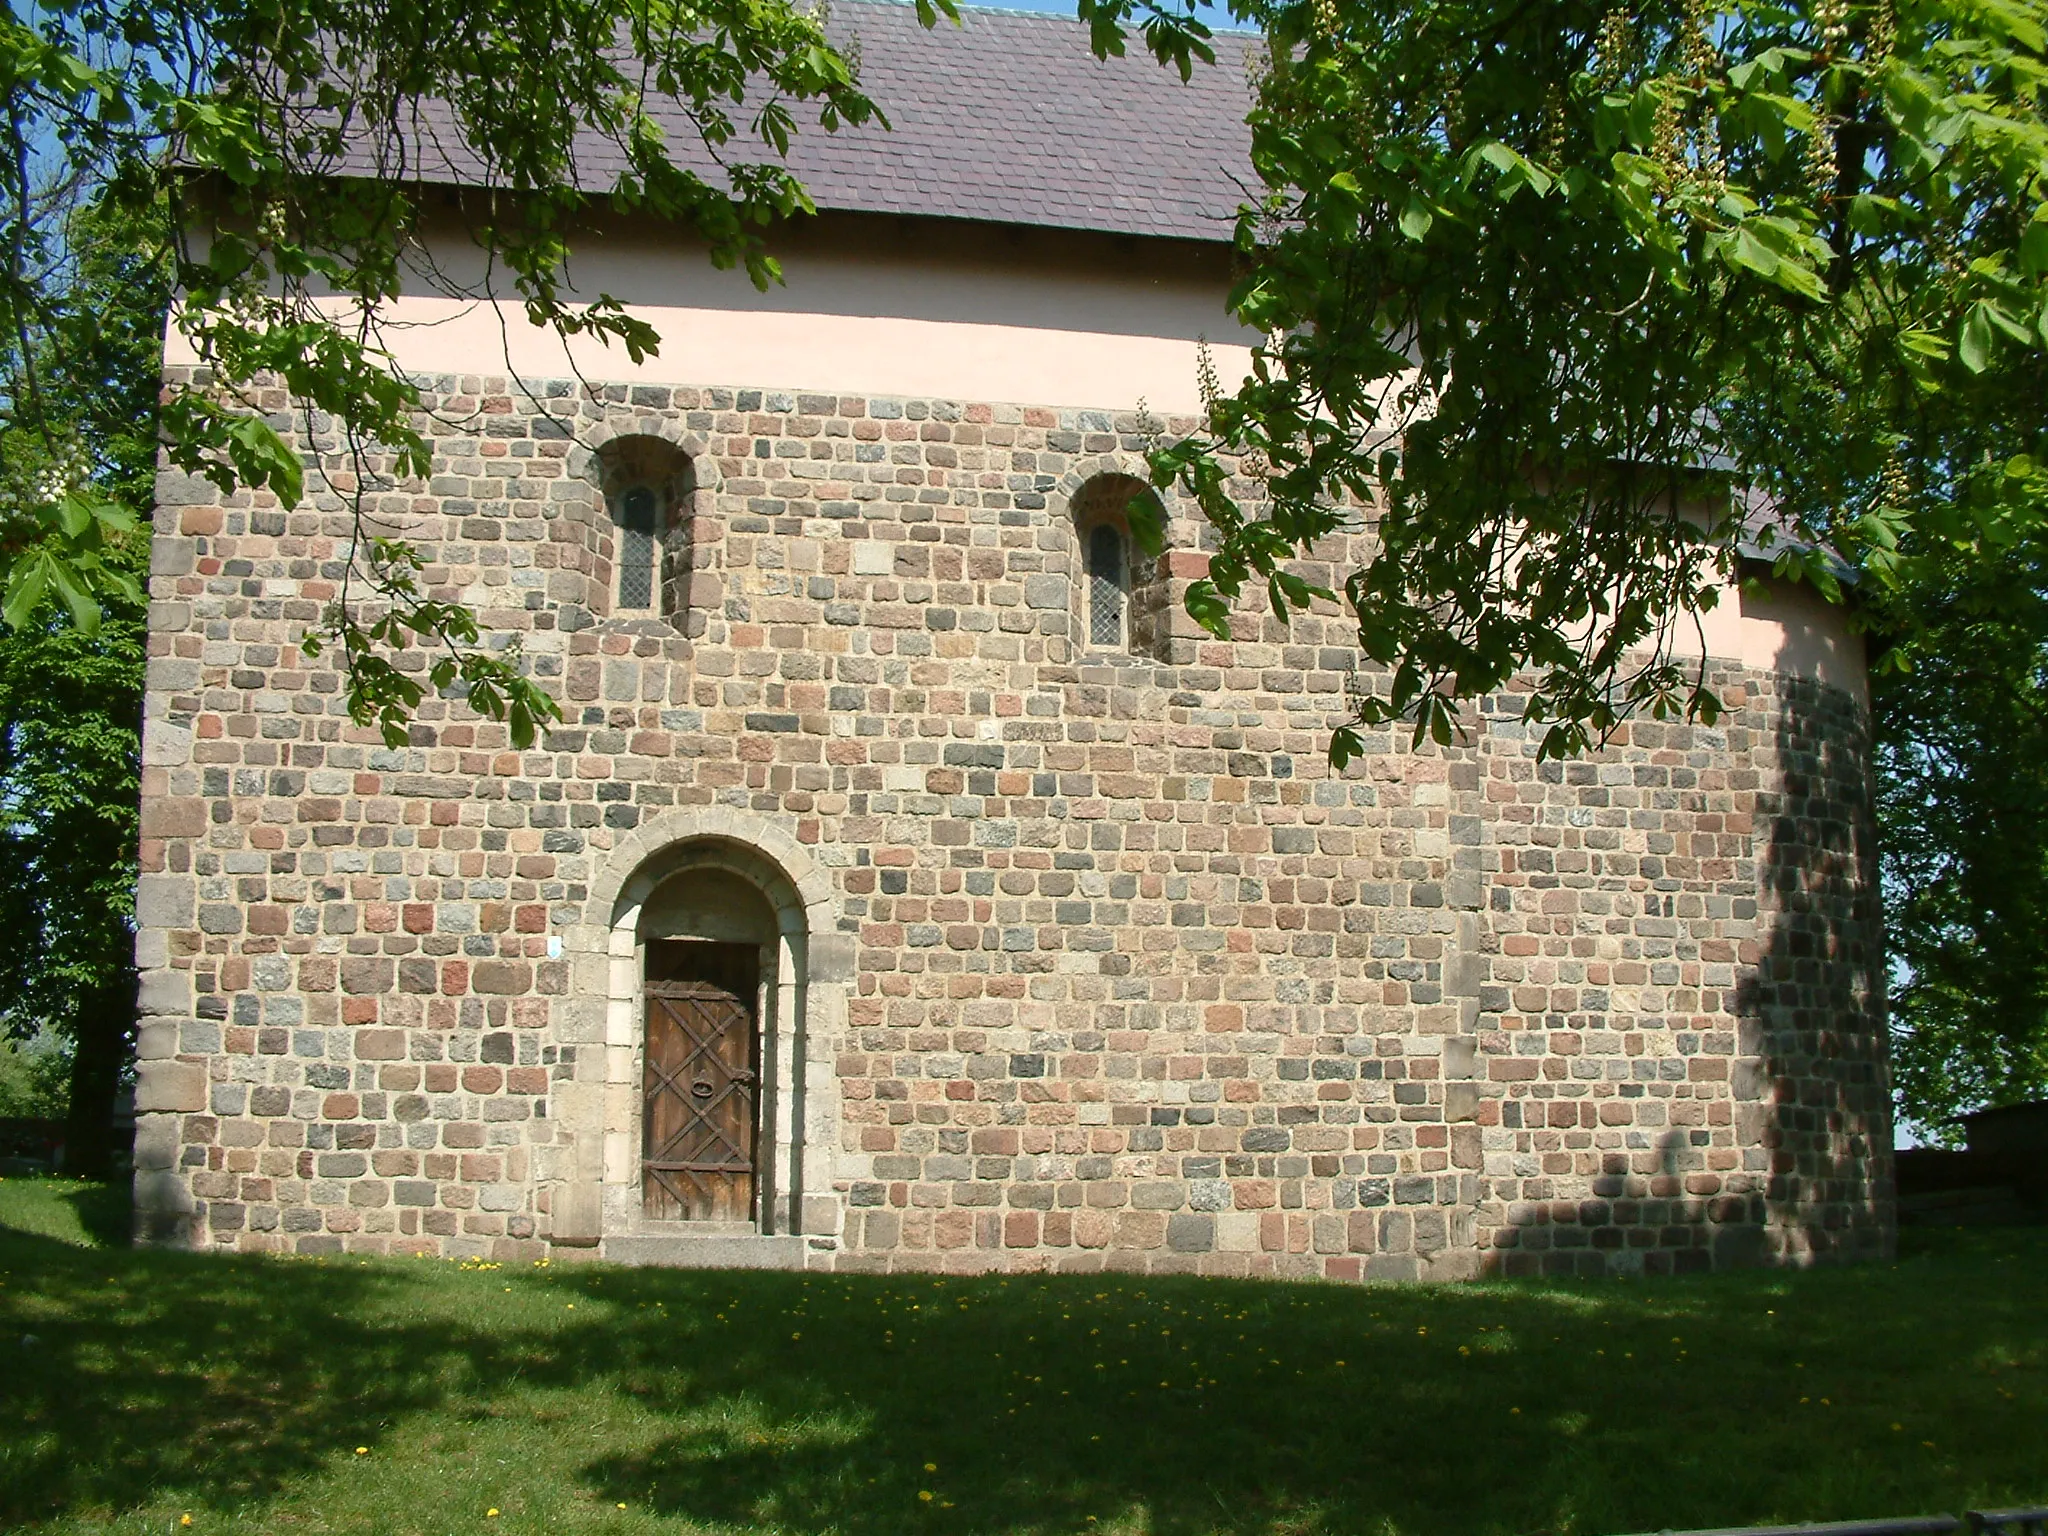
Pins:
x,y
1107,587
636,548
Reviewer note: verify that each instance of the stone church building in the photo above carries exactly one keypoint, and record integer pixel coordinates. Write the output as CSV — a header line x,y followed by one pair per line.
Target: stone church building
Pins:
x,y
910,884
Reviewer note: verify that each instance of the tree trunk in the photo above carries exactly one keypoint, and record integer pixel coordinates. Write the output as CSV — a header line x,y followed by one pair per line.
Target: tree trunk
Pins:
x,y
105,1026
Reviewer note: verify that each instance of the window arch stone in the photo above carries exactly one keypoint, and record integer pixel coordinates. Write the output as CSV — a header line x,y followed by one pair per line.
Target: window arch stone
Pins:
x,y
1122,601
643,559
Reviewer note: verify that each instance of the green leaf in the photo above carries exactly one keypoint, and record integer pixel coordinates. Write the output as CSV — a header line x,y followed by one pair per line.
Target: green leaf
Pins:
x,y
27,583
1747,251
2034,242
1975,344
85,612
1208,608
74,515
1146,514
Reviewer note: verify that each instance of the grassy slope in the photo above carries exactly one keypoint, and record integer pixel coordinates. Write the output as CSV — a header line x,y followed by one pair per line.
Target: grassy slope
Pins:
x,y
239,1390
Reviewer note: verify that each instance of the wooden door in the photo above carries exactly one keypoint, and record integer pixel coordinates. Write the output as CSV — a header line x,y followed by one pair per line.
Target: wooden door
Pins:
x,y
700,1114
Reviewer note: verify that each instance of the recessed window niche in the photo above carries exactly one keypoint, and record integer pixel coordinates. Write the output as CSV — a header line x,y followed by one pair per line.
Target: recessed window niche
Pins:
x,y
644,545
1121,597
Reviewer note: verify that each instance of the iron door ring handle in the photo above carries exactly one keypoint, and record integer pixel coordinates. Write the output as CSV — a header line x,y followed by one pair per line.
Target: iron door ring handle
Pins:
x,y
701,1089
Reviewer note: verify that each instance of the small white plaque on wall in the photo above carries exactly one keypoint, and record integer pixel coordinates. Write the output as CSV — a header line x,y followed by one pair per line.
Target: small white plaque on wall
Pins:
x,y
872,557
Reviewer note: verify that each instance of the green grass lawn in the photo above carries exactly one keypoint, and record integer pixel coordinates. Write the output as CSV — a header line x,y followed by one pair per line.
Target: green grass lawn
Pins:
x,y
267,1396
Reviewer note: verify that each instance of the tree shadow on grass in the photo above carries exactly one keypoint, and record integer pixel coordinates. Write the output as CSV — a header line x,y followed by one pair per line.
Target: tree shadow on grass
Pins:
x,y
1045,1405
817,1403
1333,1412
105,1211
137,1372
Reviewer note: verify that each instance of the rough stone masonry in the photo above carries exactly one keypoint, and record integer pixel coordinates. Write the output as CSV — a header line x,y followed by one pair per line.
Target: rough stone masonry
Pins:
x,y
1080,957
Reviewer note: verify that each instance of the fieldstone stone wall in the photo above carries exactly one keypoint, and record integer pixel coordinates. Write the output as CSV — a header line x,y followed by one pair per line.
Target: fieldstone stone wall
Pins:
x,y
1133,979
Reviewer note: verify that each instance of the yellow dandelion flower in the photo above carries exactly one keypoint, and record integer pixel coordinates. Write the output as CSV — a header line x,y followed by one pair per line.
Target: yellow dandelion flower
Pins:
x,y
931,1466
184,1519
925,1495
622,1506
490,1514
362,1450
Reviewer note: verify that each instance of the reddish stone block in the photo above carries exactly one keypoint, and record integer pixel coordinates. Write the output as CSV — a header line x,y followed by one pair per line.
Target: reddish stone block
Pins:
x,y
501,977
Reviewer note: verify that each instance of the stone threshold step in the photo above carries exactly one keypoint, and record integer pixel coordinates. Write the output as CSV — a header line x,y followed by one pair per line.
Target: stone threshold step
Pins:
x,y
705,1250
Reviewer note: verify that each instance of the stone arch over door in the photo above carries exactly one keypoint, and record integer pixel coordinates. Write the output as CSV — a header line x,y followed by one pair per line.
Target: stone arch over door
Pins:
x,y
715,876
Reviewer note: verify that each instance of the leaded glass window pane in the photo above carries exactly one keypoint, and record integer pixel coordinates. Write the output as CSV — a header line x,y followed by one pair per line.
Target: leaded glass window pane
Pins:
x,y
1105,587
636,548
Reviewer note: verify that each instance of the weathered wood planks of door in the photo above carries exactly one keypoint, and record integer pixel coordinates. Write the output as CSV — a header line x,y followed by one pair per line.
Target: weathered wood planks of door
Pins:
x,y
699,1116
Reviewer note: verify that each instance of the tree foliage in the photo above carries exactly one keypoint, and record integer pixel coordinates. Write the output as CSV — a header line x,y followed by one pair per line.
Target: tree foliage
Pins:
x,y
35,1076
70,713
1962,777
1541,280
285,151
71,692
1961,719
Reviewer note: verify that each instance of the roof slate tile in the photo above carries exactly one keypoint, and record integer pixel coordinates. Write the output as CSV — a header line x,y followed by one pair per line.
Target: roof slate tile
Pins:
x,y
1007,118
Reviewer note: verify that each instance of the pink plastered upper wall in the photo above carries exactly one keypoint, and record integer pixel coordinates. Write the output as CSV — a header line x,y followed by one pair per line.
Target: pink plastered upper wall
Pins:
x,y
868,306
1773,625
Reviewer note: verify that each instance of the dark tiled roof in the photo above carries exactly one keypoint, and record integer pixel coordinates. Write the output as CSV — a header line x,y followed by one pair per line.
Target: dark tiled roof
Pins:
x,y
1007,118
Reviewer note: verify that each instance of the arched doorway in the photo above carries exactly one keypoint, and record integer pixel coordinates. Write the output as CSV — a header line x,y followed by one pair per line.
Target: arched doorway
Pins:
x,y
708,938
707,1133
704,876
